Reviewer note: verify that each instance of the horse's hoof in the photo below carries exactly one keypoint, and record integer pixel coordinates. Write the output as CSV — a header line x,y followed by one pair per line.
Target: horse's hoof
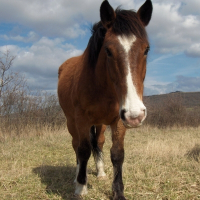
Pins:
x,y
80,189
120,197
77,197
102,177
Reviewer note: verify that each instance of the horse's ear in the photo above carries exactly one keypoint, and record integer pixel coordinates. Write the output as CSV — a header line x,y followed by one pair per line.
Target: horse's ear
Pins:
x,y
107,14
145,12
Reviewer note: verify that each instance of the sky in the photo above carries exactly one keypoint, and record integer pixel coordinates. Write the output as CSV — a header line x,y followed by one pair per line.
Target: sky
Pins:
x,y
42,34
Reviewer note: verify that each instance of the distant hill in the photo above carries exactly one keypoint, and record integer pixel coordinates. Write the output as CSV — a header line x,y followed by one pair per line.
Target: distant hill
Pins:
x,y
189,99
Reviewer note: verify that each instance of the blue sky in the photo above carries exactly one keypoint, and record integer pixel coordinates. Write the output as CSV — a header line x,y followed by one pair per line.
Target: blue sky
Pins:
x,y
43,34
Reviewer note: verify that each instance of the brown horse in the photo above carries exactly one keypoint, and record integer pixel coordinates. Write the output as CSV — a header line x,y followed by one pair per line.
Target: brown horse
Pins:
x,y
104,86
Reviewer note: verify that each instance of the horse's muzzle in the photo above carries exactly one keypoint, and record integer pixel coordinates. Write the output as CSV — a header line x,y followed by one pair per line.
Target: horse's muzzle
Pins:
x,y
133,121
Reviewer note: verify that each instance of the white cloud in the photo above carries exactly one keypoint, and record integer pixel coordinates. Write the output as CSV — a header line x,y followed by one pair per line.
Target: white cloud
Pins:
x,y
44,56
159,59
31,37
174,27
49,18
173,30
11,48
193,50
41,61
56,18
191,6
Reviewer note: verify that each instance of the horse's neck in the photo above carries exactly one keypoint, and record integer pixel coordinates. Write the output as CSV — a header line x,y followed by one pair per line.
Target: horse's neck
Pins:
x,y
97,76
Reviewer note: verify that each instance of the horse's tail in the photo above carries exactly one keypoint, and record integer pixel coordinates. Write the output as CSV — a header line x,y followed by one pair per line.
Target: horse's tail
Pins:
x,y
96,151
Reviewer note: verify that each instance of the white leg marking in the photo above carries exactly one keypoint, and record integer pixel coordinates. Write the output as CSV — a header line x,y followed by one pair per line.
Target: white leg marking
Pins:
x,y
77,170
100,168
81,189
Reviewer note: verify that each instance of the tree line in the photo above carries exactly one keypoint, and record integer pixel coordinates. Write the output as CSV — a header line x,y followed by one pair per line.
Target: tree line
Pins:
x,y
20,106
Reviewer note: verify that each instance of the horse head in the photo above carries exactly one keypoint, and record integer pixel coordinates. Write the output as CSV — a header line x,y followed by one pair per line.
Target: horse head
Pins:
x,y
126,47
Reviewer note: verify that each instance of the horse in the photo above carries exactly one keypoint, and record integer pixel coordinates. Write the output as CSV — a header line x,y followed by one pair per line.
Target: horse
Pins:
x,y
104,87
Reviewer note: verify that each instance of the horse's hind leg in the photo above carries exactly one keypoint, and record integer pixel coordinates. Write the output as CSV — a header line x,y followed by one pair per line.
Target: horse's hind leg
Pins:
x,y
99,158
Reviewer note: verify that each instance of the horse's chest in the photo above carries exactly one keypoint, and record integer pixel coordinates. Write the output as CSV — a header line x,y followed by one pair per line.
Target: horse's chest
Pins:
x,y
103,113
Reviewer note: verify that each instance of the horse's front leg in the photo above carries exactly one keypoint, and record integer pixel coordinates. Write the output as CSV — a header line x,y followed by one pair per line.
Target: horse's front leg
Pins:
x,y
117,158
83,155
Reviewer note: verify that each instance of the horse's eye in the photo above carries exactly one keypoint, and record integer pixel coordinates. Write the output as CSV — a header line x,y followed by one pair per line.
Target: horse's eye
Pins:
x,y
147,50
108,52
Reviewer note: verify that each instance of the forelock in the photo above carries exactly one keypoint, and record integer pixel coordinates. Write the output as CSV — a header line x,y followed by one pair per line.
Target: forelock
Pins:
x,y
128,23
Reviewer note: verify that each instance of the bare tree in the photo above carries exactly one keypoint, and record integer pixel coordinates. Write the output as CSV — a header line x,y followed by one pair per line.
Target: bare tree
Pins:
x,y
11,83
19,106
6,75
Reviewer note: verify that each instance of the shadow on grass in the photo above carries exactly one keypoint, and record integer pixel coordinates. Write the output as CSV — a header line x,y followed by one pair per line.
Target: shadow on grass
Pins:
x,y
58,180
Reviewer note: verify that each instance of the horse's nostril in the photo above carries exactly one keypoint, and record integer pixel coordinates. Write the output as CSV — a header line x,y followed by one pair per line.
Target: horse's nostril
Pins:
x,y
122,114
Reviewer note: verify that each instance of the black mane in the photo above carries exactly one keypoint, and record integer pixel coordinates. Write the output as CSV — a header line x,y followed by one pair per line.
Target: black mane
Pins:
x,y
126,23
95,43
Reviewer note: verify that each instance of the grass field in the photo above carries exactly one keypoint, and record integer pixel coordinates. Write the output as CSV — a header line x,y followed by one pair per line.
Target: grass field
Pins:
x,y
41,165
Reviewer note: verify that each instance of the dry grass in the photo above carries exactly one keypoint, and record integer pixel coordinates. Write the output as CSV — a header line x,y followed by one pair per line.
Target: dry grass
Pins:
x,y
41,165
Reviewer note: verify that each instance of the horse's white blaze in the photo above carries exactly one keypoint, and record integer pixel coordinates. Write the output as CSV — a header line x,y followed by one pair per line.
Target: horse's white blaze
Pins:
x,y
132,104
100,168
127,42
